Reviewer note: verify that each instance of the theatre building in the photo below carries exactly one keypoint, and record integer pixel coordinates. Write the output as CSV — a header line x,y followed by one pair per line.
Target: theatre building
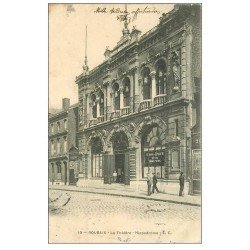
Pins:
x,y
137,109
63,144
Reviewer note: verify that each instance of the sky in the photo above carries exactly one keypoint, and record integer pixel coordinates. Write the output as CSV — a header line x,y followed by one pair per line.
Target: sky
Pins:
x,y
67,39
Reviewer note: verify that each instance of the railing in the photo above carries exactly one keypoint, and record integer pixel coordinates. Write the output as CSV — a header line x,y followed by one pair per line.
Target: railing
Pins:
x,y
125,111
100,119
146,104
93,122
115,114
160,99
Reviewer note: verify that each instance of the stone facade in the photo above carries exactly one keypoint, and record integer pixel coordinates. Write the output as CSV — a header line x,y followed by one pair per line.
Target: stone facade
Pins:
x,y
136,109
62,137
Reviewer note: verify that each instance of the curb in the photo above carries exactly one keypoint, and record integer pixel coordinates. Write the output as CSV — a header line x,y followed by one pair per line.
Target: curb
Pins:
x,y
129,196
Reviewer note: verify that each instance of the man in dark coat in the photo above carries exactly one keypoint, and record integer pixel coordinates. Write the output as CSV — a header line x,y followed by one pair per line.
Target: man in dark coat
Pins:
x,y
149,183
154,184
181,179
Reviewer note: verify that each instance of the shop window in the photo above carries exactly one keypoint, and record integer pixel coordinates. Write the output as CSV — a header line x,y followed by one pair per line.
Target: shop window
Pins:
x,y
153,152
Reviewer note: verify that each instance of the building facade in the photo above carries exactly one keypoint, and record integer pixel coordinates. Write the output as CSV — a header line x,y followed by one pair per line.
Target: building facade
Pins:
x,y
137,109
62,140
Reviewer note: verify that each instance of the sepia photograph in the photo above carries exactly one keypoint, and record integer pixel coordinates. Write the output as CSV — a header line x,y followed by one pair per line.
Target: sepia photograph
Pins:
x,y
125,123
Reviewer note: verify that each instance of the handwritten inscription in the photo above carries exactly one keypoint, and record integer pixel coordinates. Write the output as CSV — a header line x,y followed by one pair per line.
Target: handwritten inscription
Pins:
x,y
129,15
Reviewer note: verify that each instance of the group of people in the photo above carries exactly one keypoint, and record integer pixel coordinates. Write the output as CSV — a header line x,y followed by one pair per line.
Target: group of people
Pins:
x,y
152,183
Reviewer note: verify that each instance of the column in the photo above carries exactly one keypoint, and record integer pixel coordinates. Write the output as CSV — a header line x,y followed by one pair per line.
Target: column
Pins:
x,y
88,109
153,87
62,171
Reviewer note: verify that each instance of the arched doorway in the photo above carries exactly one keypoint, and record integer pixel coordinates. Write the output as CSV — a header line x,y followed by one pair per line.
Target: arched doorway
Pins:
x,y
120,149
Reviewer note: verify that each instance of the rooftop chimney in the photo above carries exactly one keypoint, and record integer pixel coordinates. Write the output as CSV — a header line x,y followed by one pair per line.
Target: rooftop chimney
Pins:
x,y
65,103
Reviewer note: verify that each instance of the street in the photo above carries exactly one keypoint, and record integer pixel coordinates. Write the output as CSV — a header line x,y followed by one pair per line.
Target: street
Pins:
x,y
77,217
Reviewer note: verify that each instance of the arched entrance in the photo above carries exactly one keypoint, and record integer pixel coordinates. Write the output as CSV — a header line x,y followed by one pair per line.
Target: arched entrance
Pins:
x,y
120,149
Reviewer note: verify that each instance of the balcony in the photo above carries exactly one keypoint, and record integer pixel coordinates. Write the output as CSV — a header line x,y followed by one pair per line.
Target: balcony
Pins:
x,y
115,115
100,119
93,122
145,104
160,99
125,111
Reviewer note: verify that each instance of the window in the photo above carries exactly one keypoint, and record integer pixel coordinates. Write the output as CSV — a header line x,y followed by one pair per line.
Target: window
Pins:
x,y
146,81
94,106
65,145
153,152
52,150
116,96
176,128
58,146
101,104
58,126
160,77
52,128
59,168
126,92
65,124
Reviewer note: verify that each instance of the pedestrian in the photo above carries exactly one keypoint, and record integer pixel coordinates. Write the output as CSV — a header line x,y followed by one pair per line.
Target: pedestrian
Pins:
x,y
114,176
149,183
181,179
155,183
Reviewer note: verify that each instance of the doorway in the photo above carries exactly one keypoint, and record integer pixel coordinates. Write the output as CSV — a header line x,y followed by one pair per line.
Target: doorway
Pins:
x,y
119,167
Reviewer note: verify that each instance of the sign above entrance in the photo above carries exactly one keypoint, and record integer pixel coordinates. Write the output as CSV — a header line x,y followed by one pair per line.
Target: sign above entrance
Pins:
x,y
155,158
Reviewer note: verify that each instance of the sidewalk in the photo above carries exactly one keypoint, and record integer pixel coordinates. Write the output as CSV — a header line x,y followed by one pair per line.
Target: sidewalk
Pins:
x,y
126,191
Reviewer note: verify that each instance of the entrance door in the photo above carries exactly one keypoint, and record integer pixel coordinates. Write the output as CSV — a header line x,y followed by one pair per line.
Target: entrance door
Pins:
x,y
119,167
72,177
108,168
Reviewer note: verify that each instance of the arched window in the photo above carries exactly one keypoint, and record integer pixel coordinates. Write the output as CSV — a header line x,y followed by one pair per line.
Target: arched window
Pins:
x,y
94,106
58,146
160,77
116,90
126,92
146,82
153,151
65,124
58,126
96,151
65,145
101,103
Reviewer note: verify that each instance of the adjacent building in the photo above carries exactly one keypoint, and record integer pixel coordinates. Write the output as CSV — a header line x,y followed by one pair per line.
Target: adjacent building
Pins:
x,y
63,126
137,110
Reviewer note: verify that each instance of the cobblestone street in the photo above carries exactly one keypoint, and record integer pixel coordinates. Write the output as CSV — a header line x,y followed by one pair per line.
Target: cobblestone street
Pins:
x,y
94,218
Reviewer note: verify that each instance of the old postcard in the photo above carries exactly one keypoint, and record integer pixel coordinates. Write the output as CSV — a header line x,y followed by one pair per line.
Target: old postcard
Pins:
x,y
124,123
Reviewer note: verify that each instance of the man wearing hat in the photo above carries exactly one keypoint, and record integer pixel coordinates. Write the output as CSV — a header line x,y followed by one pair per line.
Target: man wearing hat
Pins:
x,y
181,179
